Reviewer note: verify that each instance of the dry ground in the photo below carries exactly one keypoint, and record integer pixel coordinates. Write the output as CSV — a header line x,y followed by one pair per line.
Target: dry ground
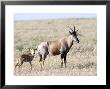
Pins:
x,y
82,58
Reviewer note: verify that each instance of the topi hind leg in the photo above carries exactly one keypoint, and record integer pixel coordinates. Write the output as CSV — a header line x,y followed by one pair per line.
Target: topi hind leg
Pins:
x,y
40,61
44,57
43,61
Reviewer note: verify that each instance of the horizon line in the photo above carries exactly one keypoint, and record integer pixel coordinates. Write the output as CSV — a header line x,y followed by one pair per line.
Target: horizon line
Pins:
x,y
48,16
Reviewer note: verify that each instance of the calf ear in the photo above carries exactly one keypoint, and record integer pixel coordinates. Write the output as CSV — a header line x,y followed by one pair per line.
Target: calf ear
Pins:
x,y
70,32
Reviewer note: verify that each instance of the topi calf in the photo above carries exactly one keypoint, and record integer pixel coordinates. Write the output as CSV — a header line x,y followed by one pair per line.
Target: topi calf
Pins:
x,y
26,58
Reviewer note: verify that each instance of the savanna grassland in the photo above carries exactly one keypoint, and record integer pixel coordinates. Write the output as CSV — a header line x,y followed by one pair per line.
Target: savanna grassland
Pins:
x,y
81,59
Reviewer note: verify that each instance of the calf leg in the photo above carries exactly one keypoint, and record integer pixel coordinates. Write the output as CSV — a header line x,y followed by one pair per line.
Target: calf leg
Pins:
x,y
18,61
30,65
17,64
20,65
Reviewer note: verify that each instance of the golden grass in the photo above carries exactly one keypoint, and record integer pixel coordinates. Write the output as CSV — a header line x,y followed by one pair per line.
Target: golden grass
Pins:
x,y
82,58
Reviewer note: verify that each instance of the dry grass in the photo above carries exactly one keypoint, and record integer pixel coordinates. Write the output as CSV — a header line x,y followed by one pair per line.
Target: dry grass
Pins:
x,y
82,58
